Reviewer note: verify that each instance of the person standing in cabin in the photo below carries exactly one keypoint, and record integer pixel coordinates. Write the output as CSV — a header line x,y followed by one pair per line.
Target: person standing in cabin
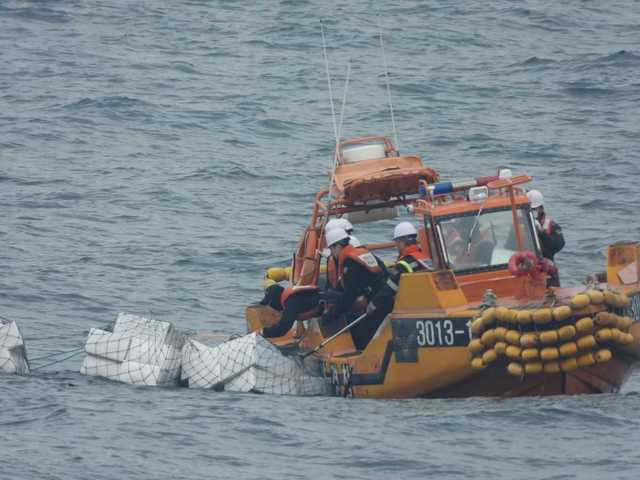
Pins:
x,y
359,273
549,233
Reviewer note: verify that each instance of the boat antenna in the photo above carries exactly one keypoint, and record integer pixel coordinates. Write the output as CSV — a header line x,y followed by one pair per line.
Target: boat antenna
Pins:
x,y
386,74
344,103
326,67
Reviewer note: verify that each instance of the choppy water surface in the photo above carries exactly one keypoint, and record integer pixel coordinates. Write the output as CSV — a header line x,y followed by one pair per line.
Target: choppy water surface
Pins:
x,y
157,156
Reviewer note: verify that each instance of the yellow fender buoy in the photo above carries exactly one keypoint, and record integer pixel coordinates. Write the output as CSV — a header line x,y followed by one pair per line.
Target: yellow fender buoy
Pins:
x,y
595,296
586,360
489,356
580,301
500,348
584,325
477,363
624,323
513,352
566,333
560,314
501,333
515,369
569,364
488,338
277,274
477,327
627,339
548,354
523,317
528,340
513,337
551,367
568,349
529,354
624,301
488,317
542,316
609,298
588,342
604,335
533,368
603,355
549,337
503,314
604,319
476,346
267,282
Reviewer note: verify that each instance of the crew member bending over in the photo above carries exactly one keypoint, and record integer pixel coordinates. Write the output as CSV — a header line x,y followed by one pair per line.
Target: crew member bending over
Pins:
x,y
360,273
549,232
295,303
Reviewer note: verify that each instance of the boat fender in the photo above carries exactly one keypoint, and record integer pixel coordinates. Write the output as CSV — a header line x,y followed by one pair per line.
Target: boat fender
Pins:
x,y
489,317
627,339
616,335
605,318
488,338
588,342
567,332
501,347
513,352
542,316
596,297
523,317
624,323
529,354
513,337
549,353
503,314
551,367
501,333
560,314
586,360
515,369
584,325
476,346
278,274
529,340
568,349
477,363
603,355
604,335
569,365
624,301
549,337
477,327
533,368
524,263
580,301
489,356
609,298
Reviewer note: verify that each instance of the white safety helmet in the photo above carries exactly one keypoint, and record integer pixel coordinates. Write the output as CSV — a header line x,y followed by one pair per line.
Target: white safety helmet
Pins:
x,y
345,224
334,236
404,229
331,224
535,198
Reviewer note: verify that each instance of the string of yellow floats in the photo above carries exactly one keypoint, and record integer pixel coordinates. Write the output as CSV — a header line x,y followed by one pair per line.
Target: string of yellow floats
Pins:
x,y
588,331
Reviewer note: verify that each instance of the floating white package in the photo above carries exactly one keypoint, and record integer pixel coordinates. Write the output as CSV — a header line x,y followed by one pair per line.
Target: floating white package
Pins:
x,y
247,364
138,351
13,354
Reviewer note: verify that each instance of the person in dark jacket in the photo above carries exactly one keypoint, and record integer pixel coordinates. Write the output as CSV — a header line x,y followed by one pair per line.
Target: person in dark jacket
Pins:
x,y
410,257
360,273
295,303
549,232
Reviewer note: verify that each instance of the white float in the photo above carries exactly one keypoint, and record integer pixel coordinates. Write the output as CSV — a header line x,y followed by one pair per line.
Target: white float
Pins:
x,y
138,350
13,354
246,364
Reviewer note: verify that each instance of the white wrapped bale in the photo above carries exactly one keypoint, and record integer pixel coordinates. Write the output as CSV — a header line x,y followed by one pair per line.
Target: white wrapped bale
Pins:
x,y
13,353
138,351
246,364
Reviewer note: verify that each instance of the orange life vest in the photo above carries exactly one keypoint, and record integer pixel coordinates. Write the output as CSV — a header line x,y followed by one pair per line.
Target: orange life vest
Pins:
x,y
414,251
332,273
360,255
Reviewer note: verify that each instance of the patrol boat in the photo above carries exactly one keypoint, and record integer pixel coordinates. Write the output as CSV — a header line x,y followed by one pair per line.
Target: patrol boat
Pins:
x,y
483,322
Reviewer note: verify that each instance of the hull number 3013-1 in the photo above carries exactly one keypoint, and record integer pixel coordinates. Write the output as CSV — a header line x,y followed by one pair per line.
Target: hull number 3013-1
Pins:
x,y
443,332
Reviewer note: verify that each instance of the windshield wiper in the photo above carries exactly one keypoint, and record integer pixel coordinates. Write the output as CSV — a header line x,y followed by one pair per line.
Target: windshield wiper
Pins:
x,y
473,229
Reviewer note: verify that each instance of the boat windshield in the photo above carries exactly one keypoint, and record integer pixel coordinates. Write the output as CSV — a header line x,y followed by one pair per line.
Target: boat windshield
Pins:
x,y
484,239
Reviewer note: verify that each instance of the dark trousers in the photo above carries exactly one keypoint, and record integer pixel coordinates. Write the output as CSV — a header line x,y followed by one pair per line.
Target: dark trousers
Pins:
x,y
365,329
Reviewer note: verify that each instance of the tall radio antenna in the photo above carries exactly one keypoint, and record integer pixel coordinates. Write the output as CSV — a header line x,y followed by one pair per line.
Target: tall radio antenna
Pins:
x,y
386,74
326,67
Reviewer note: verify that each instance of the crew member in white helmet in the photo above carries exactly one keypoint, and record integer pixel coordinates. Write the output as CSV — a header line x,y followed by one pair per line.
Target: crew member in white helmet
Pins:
x,y
346,225
549,232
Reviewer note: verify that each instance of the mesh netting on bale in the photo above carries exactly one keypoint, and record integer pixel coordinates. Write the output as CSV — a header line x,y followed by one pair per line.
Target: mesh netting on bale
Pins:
x,y
13,354
137,350
247,364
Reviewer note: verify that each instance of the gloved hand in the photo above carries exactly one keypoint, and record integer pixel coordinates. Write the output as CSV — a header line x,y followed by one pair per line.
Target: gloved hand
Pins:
x,y
371,308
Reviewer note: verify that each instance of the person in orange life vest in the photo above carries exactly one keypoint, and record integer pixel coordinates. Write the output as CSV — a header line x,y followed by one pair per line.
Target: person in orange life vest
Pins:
x,y
410,257
295,304
360,273
549,232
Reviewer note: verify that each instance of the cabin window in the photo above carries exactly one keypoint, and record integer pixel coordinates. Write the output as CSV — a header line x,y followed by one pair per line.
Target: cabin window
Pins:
x,y
485,239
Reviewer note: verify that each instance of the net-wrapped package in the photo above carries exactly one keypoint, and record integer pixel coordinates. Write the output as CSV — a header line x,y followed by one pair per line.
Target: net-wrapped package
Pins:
x,y
13,354
247,364
138,350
